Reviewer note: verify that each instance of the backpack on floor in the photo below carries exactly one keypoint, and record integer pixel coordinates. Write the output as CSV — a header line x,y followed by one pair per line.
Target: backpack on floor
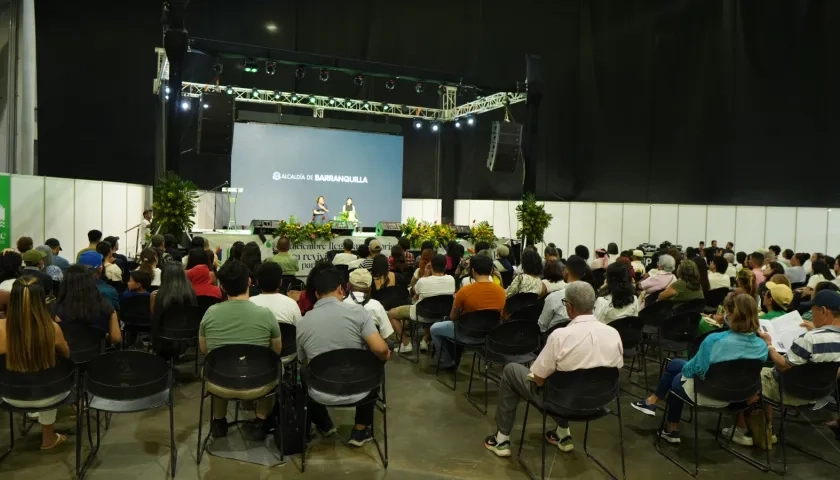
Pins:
x,y
288,436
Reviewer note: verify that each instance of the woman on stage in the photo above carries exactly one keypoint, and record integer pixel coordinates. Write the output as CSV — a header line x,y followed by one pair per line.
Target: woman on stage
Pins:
x,y
320,206
350,208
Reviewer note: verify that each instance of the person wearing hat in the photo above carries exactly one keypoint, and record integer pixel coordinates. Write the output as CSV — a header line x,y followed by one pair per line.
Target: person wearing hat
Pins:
x,y
375,249
776,300
33,264
49,264
821,343
638,261
358,293
93,261
58,260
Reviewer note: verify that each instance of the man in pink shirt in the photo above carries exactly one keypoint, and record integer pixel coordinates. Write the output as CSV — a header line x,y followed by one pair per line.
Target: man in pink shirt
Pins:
x,y
584,343
757,263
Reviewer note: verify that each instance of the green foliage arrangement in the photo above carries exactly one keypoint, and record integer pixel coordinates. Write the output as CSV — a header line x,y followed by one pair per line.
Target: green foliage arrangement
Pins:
x,y
299,234
173,202
533,219
482,232
418,232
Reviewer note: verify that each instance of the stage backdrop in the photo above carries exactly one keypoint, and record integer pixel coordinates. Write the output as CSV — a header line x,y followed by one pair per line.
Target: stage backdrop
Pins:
x,y
283,168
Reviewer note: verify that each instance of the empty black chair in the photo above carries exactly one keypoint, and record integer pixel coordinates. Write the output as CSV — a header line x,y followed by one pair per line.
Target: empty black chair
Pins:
x,y
714,298
291,283
630,330
531,312
519,301
178,328
428,311
599,275
237,367
578,396
127,381
348,372
471,329
135,317
514,341
675,335
392,297
696,305
204,303
288,355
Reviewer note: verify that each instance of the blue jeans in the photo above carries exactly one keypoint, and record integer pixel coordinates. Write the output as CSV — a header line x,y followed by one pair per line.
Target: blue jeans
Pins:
x,y
450,355
672,380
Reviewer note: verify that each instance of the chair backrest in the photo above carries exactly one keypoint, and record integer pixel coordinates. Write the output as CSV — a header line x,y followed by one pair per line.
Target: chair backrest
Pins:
x,y
681,327
794,286
715,297
347,371
694,346
732,381
514,337
204,302
118,286
696,305
561,324
288,334
530,312
656,313
127,375
598,276
180,322
437,306
581,390
291,283
393,296
477,324
241,367
519,301
507,278
812,381
135,310
85,341
652,298
630,330
37,385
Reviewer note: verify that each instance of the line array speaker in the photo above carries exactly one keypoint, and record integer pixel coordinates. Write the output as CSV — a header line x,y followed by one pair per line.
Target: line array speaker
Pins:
x,y
505,145
215,124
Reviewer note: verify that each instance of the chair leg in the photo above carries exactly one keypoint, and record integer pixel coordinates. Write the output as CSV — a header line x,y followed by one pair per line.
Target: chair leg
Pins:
x,y
201,442
305,430
173,453
543,442
454,373
621,436
522,441
477,359
11,437
696,445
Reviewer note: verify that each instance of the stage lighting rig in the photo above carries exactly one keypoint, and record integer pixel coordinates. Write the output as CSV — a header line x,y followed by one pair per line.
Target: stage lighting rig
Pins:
x,y
167,90
255,93
418,87
359,80
277,95
185,104
390,84
457,123
324,74
300,71
250,66
332,101
229,90
294,97
418,124
435,126
312,99
441,89
385,107
470,120
366,104
270,67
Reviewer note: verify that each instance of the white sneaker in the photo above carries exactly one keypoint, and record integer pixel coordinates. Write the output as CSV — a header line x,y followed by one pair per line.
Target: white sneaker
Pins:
x,y
406,348
424,346
740,436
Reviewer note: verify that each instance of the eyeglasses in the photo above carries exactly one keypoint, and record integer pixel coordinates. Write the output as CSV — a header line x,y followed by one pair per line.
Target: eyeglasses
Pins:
x,y
565,302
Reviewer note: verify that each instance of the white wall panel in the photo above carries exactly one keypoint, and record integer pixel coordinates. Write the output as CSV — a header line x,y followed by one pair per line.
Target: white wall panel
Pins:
x,y
114,217
833,247
205,211
59,214
88,210
691,225
27,208
482,210
462,212
431,210
503,223
582,227
635,225
749,228
720,224
558,229
608,224
780,229
137,199
811,227
663,223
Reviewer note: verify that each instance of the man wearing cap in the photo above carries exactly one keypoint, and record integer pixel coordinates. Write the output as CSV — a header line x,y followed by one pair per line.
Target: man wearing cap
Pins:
x,y
375,249
821,343
93,260
776,300
359,294
638,262
33,261
58,261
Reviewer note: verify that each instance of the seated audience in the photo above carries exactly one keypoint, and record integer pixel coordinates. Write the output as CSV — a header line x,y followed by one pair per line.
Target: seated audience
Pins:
x,y
779,279
170,243
10,268
58,260
638,261
30,340
112,271
738,343
202,279
424,266
381,273
741,258
702,272
33,264
363,252
686,288
158,243
93,263
287,261
25,244
307,298
438,283
585,343
807,316
252,259
358,293
50,268
821,273
554,309
718,276
175,291
375,249
454,253
333,325
285,310
553,273
796,273
612,251
405,244
94,237
197,257
776,300
149,262
235,322
119,259
617,299
745,283
529,280
501,262
772,268
139,283
347,256
235,252
398,264
601,260
756,262
731,270
81,303
786,258
660,278
551,254
482,294
582,252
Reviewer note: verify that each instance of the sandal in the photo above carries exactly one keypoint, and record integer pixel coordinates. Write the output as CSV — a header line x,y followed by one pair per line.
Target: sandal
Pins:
x,y
59,439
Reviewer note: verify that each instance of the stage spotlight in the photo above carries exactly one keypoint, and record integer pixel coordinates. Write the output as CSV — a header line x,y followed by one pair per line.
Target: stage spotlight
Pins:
x,y
294,97
418,124
185,104
300,71
255,93
385,107
167,90
312,99
470,120
277,95
206,106
457,123
366,104
324,74
250,66
359,80
332,101
166,97
442,90
435,126
270,67
229,90
418,87
390,84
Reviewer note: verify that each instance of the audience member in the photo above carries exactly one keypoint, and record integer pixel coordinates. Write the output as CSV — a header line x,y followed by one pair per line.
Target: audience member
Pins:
x,y
745,283
729,247
756,262
637,263
582,252
554,310
702,272
424,265
776,300
553,276
438,283
738,343
612,251
529,280
551,254
252,259
93,263
33,264
585,343
786,258
94,237
287,261
346,256
741,258
821,273
112,271
10,267
175,291
731,271
202,279
796,273
381,272
772,268
483,294
235,322
807,316
333,325
601,260
50,268
375,249
117,257
618,297
397,263
686,288
235,252
454,253
25,244
662,277
171,245
285,310
717,276
149,262
363,252
359,293
158,243
81,303
307,298
29,342
139,283
58,260
405,243
501,262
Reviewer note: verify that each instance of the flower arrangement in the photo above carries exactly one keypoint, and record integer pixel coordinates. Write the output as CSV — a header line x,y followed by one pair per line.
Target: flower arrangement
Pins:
x,y
482,232
418,232
173,201
533,219
441,234
298,233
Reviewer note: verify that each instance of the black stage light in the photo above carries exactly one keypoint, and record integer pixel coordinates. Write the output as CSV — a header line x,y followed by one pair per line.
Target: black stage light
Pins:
x,y
300,71
442,90
312,99
218,67
270,67
294,97
332,101
250,66
277,95
324,74
255,93
359,80
390,84
229,90
418,87
385,107
366,104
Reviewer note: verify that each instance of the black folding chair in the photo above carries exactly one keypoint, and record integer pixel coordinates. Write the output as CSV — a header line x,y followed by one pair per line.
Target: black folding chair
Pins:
x,y
714,298
179,326
392,297
288,355
734,382
514,341
428,311
578,396
348,372
599,275
204,303
696,305
674,337
471,329
291,283
520,301
135,318
630,330
530,312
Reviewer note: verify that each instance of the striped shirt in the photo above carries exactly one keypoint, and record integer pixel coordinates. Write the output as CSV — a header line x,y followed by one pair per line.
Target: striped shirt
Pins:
x,y
817,346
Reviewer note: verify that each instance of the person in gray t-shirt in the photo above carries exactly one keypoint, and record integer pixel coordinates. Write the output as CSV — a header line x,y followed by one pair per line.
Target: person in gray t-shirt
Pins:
x,y
334,325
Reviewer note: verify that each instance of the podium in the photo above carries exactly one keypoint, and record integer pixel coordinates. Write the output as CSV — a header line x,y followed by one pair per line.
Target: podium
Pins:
x,y
232,193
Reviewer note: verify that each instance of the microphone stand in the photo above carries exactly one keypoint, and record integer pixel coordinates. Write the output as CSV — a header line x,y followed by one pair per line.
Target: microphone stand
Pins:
x,y
226,183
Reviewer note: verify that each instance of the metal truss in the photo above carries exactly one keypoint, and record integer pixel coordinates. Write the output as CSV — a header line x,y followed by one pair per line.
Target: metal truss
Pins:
x,y
486,104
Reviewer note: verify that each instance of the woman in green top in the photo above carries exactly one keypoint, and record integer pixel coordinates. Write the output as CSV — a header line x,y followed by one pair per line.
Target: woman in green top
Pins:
x,y
686,288
776,300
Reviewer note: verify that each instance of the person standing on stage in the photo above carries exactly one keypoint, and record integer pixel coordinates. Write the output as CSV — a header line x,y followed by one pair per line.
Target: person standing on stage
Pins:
x,y
320,207
147,226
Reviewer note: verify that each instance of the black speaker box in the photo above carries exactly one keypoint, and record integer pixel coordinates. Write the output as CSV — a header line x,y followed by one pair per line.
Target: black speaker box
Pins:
x,y
505,144
215,124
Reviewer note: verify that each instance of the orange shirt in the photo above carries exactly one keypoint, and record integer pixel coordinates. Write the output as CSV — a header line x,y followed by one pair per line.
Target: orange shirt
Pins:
x,y
480,296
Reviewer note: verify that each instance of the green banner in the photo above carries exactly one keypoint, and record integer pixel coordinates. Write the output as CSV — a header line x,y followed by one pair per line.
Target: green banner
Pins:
x,y
5,212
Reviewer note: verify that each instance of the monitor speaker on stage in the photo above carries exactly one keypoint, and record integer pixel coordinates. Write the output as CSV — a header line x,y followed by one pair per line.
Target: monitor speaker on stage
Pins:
x,y
388,229
215,124
342,229
461,231
505,145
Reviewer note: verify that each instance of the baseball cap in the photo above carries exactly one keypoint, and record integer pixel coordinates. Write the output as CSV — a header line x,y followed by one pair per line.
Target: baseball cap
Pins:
x,y
53,242
638,253
825,298
90,259
33,256
781,294
360,278
375,246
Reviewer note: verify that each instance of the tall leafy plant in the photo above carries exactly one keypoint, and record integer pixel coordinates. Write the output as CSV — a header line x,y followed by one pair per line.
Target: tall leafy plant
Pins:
x,y
174,203
533,219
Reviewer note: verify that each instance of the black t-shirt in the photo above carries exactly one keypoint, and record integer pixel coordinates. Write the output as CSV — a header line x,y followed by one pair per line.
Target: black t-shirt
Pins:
x,y
42,277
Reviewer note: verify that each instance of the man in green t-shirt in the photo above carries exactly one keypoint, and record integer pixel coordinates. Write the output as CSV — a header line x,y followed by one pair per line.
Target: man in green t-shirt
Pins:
x,y
287,261
776,300
94,237
238,321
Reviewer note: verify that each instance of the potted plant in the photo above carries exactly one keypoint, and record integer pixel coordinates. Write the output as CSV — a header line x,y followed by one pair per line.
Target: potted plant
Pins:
x,y
533,219
173,201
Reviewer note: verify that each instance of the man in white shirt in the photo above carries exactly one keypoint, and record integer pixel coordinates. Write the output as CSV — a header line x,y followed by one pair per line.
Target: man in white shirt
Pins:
x,y
345,257
554,309
363,252
718,279
731,270
796,271
585,343
269,277
438,283
359,289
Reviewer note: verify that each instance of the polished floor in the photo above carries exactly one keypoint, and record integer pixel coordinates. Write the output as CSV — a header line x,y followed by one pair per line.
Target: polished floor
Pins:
x,y
433,433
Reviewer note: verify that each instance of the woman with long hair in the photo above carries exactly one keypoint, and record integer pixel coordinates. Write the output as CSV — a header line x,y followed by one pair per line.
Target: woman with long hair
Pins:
x,y
397,260
702,272
235,251
197,256
454,253
618,298
30,339
424,265
252,259
553,276
529,280
149,263
10,268
687,287
745,283
821,273
175,290
80,303
382,275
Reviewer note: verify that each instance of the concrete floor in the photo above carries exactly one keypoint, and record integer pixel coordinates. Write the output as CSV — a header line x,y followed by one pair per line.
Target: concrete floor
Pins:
x,y
433,433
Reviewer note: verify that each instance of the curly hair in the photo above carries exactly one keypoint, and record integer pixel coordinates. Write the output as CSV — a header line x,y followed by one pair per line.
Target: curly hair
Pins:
x,y
688,273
